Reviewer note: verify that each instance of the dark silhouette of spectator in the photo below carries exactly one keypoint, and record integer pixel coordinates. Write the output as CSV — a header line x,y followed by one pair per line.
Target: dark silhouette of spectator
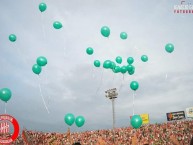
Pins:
x,y
77,143
191,142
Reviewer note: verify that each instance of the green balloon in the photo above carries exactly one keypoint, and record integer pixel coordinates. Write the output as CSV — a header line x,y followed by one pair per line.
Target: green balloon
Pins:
x,y
134,85
105,31
97,63
123,69
12,37
118,59
130,67
123,35
112,65
136,121
89,51
144,58
5,94
36,69
42,7
69,119
41,61
169,47
107,64
57,25
130,60
117,69
80,121
132,71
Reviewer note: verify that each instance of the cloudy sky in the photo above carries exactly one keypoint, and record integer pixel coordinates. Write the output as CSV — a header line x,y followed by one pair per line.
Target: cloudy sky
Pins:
x,y
71,84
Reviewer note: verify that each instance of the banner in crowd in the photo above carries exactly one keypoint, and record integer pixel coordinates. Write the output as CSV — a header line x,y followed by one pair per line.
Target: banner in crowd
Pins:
x,y
189,112
175,115
145,118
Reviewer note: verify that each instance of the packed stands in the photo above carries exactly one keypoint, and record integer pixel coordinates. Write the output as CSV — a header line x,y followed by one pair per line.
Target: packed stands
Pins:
x,y
152,134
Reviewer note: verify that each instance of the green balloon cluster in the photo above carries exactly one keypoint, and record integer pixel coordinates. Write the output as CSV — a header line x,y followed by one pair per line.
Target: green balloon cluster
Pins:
x,y
70,119
57,25
42,7
136,121
5,94
41,61
108,64
12,37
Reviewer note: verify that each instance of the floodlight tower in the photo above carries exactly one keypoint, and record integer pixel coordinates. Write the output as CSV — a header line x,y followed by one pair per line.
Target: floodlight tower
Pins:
x,y
112,95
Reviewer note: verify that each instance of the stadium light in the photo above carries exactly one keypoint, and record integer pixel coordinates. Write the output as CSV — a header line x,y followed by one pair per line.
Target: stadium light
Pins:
x,y
112,95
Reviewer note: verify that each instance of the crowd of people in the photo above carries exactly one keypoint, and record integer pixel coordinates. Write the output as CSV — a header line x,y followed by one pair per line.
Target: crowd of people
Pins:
x,y
170,133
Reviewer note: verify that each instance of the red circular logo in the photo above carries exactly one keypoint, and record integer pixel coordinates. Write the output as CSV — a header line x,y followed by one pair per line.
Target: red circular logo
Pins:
x,y
4,128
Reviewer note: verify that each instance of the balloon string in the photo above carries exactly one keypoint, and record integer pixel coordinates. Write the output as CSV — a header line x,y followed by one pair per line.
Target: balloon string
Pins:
x,y
122,83
43,28
100,84
64,48
46,75
22,57
133,103
113,78
46,81
42,95
19,52
92,71
93,76
166,77
64,52
5,107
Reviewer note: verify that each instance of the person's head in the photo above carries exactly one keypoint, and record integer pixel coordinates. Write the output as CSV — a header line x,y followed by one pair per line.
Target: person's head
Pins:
x,y
191,142
77,143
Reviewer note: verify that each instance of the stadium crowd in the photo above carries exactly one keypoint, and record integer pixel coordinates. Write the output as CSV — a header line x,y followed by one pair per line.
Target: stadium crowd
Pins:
x,y
170,133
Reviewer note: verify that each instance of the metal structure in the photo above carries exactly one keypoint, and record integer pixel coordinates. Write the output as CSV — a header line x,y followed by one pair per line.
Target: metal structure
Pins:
x,y
112,95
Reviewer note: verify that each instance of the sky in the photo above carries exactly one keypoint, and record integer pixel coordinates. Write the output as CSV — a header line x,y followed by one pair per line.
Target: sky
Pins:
x,y
71,84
